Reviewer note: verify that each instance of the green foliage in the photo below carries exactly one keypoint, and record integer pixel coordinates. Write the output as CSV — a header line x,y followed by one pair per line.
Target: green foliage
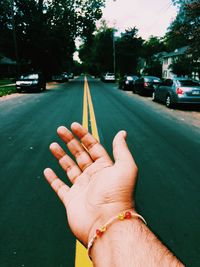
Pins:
x,y
152,52
175,37
103,50
182,66
7,90
128,50
185,30
154,68
46,30
192,26
98,53
153,46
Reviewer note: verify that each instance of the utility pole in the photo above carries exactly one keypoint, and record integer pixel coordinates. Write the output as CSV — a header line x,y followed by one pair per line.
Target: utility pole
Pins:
x,y
114,53
14,36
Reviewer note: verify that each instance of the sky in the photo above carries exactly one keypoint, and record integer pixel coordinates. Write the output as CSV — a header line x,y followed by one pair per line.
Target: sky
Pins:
x,y
151,17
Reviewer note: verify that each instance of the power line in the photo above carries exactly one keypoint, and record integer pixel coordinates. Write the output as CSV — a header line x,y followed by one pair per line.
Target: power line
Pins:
x,y
164,10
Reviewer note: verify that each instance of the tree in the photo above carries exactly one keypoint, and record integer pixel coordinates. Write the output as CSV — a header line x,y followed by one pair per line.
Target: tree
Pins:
x,y
46,30
128,50
97,52
98,55
152,50
154,68
153,46
175,36
192,27
185,30
182,66
103,50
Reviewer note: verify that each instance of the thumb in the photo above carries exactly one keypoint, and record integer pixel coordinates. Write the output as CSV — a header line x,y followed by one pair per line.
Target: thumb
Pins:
x,y
121,152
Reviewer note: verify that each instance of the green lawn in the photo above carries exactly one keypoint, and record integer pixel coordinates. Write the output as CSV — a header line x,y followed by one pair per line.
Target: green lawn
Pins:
x,y
6,81
7,90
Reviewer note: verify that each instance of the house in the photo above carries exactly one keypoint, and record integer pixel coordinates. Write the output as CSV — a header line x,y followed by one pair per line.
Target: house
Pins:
x,y
169,58
7,67
152,65
159,56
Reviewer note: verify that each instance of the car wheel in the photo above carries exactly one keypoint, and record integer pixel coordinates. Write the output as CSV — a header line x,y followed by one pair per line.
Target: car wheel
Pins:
x,y
140,92
168,101
154,96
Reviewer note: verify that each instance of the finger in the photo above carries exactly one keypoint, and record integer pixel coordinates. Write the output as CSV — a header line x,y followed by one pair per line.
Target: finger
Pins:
x,y
121,152
58,186
75,147
68,165
95,149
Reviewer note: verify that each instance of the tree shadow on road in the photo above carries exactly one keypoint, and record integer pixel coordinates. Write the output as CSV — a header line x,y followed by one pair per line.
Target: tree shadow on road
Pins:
x,y
189,108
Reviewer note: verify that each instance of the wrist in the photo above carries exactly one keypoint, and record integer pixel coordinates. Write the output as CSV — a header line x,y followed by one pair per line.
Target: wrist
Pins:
x,y
121,216
129,242
106,216
113,241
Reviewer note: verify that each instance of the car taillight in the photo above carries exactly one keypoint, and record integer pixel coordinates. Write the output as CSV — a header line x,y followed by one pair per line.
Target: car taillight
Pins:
x,y
179,91
146,84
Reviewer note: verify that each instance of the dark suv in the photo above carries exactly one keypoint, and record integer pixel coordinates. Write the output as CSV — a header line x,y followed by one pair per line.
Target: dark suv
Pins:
x,y
146,85
127,82
31,82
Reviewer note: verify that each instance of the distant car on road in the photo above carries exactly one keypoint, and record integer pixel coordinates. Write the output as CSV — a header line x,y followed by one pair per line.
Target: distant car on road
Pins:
x,y
108,77
60,78
128,82
145,85
70,75
177,91
31,82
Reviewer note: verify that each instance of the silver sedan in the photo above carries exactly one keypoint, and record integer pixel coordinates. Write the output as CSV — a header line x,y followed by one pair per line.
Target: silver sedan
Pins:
x,y
177,91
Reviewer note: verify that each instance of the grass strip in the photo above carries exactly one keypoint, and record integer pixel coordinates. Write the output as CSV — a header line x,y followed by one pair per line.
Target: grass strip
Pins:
x,y
6,81
7,90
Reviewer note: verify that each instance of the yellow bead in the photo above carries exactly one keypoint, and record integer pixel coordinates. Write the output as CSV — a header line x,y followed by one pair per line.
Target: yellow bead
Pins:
x,y
121,216
103,229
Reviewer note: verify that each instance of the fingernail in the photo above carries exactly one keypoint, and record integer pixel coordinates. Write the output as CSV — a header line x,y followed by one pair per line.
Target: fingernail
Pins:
x,y
124,134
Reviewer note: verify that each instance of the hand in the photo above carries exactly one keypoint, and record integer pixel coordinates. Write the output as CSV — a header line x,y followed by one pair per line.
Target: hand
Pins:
x,y
100,188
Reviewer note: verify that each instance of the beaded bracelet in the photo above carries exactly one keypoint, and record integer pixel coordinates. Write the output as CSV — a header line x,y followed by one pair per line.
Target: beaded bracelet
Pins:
x,y
100,231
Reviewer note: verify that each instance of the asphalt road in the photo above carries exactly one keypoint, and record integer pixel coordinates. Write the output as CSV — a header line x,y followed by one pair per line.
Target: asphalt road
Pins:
x,y
33,225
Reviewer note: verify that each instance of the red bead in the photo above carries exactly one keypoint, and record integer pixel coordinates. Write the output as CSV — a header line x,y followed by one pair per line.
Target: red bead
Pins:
x,y
99,233
127,215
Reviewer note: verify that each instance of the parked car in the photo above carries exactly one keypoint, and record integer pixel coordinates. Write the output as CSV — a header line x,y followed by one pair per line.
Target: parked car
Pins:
x,y
70,75
31,82
145,85
108,77
177,91
61,77
66,76
128,82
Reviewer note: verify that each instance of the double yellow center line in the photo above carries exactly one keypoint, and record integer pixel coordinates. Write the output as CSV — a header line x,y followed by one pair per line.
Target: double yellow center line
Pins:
x,y
82,259
87,103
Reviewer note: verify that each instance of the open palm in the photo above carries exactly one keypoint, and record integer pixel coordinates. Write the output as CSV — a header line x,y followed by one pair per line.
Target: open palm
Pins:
x,y
100,188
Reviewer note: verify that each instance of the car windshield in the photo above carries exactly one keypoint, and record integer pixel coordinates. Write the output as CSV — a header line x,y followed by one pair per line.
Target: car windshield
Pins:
x,y
30,77
188,83
153,79
110,74
131,78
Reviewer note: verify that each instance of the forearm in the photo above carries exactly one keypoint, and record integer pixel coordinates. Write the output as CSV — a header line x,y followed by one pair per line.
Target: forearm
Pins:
x,y
130,243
